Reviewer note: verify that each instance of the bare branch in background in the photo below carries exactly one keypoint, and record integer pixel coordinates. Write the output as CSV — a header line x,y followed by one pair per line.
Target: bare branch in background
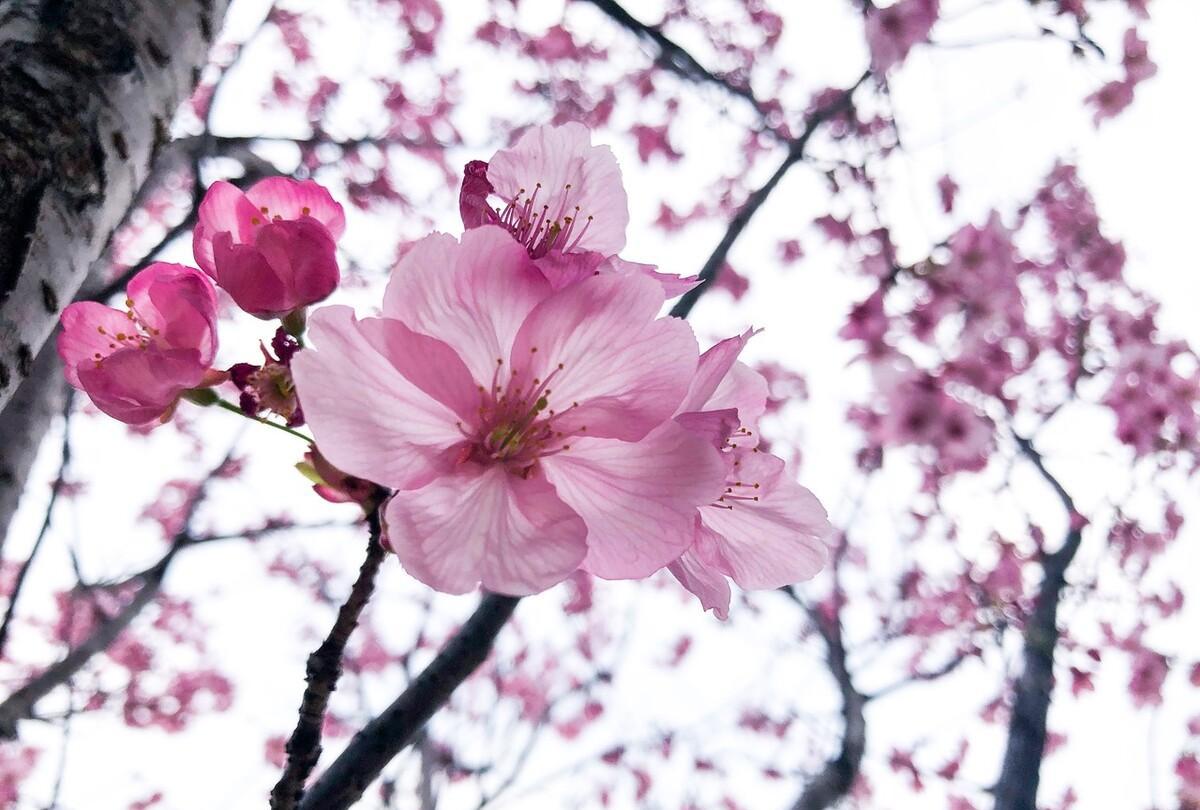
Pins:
x,y
831,784
20,704
755,201
1017,787
673,57
55,489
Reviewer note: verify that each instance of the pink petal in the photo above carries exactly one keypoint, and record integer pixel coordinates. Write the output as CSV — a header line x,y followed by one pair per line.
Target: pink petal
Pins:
x,y
472,295
715,364
81,339
673,285
714,427
704,580
138,386
571,173
290,199
368,420
626,369
781,539
224,209
744,390
180,303
427,363
638,499
246,274
483,525
473,203
289,265
562,269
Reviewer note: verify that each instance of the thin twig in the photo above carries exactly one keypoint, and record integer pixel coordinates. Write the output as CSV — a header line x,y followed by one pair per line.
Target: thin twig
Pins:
x,y
56,488
322,673
673,57
754,202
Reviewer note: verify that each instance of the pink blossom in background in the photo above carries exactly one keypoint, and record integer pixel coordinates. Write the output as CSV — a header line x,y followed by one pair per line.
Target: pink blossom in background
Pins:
x,y
1111,99
135,364
765,530
917,411
559,192
272,248
893,31
525,430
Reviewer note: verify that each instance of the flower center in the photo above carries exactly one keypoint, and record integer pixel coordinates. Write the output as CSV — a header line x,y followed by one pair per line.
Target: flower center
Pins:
x,y
517,422
737,489
539,230
140,335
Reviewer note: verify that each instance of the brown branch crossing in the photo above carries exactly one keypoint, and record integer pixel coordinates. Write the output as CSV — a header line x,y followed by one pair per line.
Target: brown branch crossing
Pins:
x,y
380,740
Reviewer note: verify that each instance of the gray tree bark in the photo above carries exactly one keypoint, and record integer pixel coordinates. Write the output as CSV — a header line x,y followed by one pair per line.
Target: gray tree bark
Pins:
x,y
87,92
23,424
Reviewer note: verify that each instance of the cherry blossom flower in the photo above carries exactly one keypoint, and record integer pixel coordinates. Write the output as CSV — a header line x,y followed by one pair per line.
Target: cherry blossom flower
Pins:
x,y
272,248
562,198
526,431
559,192
136,364
765,530
918,411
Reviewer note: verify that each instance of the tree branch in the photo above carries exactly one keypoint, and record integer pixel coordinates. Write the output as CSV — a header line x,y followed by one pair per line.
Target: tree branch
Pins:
x,y
833,782
673,57
389,733
1020,774
86,98
322,673
20,704
754,202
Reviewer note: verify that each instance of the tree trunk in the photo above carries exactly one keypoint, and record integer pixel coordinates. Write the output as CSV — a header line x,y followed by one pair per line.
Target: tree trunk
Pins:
x,y
22,425
87,92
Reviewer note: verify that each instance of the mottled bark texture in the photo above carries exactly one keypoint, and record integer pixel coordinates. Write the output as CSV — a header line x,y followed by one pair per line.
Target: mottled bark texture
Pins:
x,y
87,92
23,423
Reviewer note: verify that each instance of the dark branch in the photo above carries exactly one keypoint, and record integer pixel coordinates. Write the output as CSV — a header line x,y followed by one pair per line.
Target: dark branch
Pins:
x,y
380,740
833,782
923,676
673,57
20,704
322,673
1017,787
754,202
